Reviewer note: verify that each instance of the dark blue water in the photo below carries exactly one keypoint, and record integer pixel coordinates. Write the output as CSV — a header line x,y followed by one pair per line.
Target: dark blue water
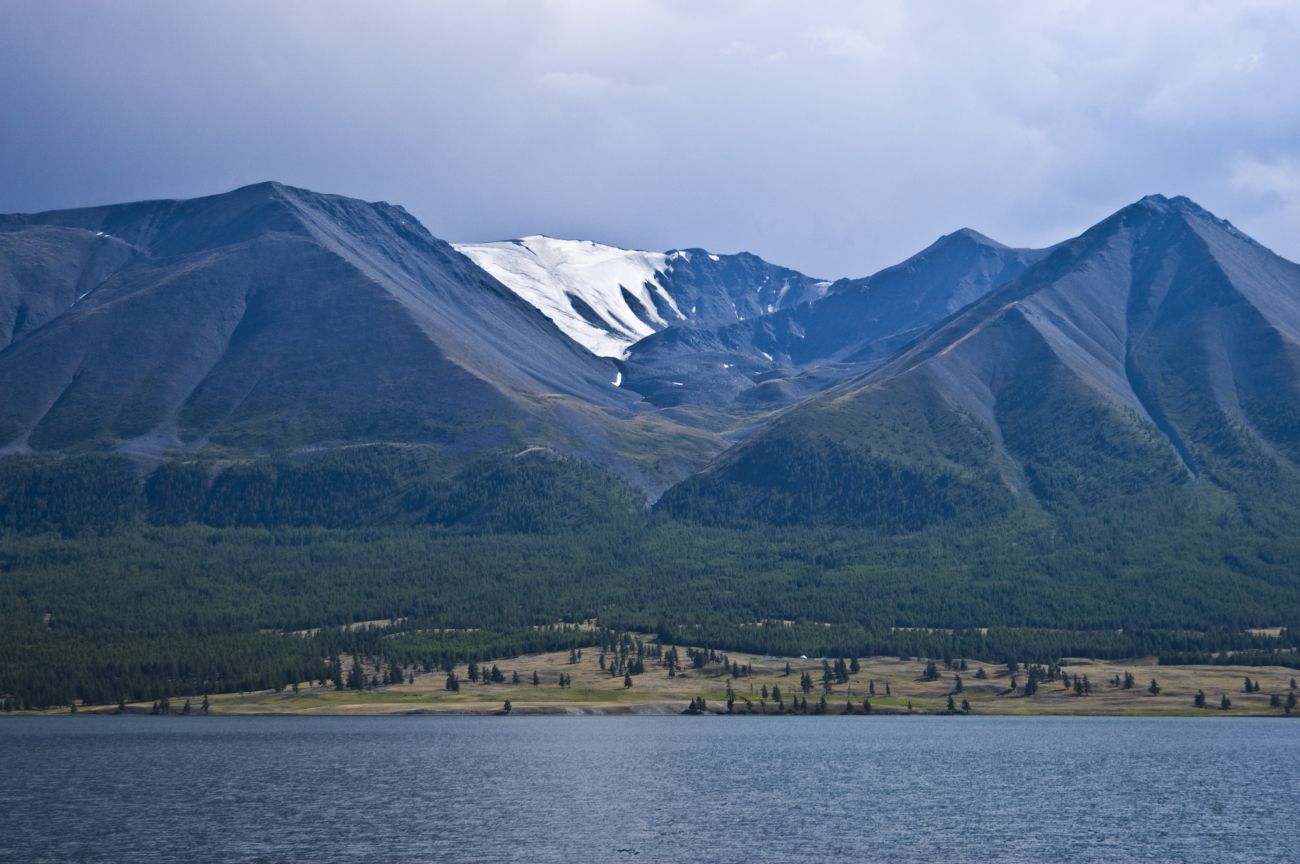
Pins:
x,y
648,789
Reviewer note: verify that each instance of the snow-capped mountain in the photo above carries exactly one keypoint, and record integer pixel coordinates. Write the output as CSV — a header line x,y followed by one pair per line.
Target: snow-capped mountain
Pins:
x,y
606,298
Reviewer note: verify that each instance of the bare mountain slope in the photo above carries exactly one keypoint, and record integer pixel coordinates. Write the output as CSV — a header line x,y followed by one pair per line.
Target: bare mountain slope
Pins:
x,y
1156,354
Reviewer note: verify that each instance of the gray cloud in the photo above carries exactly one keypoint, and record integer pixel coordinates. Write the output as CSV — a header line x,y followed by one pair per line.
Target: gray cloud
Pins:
x,y
836,137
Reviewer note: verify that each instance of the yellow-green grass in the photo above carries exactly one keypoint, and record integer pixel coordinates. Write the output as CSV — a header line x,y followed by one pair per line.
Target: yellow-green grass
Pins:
x,y
596,691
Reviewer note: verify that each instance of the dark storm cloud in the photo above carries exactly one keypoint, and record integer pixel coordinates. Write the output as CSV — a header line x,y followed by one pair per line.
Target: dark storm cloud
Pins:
x,y
834,137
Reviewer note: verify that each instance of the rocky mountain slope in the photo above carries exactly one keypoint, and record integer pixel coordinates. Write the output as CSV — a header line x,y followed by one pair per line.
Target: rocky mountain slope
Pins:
x,y
1154,358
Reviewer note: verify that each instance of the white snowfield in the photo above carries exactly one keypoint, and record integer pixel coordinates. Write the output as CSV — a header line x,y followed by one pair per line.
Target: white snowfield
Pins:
x,y
544,271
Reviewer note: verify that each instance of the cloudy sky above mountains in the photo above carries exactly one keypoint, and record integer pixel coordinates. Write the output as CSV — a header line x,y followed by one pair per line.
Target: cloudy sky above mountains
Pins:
x,y
836,137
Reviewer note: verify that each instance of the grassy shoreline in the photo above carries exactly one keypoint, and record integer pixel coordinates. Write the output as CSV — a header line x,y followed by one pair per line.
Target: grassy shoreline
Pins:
x,y
899,689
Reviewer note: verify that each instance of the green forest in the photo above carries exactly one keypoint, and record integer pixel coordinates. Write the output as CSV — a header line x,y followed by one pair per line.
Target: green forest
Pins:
x,y
213,576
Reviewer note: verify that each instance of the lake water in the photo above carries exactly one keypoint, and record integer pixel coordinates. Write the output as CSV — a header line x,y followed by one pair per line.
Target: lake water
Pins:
x,y
648,789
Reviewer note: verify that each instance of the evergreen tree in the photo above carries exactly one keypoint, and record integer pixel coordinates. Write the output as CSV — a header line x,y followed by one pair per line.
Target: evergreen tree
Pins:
x,y
854,667
956,685
952,706
965,706
507,707
1225,703
1199,699
627,681
536,678
1154,689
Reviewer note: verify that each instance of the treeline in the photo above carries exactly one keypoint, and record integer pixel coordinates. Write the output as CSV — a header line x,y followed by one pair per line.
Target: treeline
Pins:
x,y
347,488
996,644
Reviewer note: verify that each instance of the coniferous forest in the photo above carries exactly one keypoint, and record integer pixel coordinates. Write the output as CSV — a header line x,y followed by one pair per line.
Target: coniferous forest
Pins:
x,y
213,577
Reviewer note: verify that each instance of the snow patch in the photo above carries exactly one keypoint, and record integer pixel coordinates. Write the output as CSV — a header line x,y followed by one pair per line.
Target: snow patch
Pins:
x,y
714,258
618,379
544,271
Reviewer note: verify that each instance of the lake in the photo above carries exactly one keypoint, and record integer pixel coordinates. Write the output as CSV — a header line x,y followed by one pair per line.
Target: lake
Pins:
x,y
648,789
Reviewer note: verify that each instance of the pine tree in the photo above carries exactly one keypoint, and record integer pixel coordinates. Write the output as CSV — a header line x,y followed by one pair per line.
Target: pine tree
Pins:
x,y
507,707
1154,689
854,667
965,706
1225,703
952,706
627,681
1199,699
956,686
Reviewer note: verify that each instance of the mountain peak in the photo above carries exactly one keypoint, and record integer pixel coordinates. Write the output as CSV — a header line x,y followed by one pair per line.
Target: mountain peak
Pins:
x,y
970,235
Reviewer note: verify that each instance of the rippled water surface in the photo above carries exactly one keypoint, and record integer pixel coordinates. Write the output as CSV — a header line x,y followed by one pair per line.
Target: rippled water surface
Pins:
x,y
648,789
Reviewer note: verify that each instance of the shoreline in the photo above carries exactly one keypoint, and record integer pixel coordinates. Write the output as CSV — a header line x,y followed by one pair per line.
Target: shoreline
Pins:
x,y
580,684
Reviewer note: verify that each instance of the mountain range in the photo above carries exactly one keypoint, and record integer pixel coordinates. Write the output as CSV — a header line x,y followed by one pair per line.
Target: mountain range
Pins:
x,y
273,411
1157,350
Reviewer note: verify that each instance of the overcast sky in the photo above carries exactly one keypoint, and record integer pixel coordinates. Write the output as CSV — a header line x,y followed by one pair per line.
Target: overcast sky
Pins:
x,y
835,137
